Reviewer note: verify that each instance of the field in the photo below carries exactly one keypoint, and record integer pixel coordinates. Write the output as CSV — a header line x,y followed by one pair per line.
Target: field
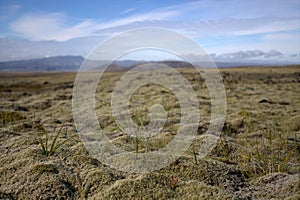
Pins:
x,y
256,157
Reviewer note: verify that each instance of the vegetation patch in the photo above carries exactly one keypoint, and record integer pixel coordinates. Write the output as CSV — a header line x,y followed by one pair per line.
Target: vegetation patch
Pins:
x,y
45,168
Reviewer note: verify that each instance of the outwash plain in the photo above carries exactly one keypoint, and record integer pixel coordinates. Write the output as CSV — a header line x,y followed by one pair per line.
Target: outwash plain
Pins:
x,y
256,157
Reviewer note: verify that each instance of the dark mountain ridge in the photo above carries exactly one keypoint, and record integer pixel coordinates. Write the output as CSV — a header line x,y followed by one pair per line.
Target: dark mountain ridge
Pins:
x,y
72,63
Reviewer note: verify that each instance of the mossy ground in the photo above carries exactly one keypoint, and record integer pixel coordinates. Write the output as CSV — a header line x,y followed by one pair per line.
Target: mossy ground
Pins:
x,y
256,157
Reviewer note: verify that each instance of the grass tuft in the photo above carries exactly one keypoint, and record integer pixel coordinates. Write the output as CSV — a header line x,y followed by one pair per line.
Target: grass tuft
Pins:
x,y
47,149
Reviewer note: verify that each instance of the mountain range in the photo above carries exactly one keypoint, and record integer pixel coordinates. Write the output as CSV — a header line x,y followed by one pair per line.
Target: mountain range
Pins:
x,y
72,63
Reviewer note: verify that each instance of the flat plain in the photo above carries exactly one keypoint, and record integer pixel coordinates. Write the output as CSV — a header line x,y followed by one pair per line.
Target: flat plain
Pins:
x,y
256,157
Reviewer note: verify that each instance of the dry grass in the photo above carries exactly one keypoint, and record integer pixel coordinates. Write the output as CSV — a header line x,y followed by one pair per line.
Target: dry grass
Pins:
x,y
256,157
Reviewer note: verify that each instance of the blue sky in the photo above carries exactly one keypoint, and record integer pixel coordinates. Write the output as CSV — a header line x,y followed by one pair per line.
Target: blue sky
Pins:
x,y
230,30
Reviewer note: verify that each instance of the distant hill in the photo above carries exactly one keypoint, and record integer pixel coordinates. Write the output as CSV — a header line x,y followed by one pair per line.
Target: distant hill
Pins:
x,y
72,63
182,64
60,63
57,63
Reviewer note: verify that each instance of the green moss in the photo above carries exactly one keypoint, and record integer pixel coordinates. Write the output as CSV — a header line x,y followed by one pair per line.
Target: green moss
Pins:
x,y
45,168
294,123
10,117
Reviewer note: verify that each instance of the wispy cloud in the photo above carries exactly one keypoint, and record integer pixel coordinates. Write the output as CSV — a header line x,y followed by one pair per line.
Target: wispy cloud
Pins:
x,y
129,10
246,55
215,9
199,29
196,19
272,24
50,27
133,19
16,49
8,11
53,26
286,42
11,8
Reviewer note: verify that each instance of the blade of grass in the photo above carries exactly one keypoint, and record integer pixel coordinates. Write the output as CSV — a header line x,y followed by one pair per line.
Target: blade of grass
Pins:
x,y
59,145
46,142
55,139
41,143
286,159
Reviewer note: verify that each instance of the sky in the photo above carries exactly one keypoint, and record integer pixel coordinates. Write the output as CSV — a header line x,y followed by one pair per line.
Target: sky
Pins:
x,y
228,30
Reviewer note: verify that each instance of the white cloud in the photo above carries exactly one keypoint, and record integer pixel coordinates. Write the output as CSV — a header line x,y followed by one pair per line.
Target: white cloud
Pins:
x,y
271,25
256,56
273,53
202,29
7,12
216,9
10,8
151,16
50,27
287,37
53,26
287,43
249,54
200,19
12,49
16,49
129,10
196,19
